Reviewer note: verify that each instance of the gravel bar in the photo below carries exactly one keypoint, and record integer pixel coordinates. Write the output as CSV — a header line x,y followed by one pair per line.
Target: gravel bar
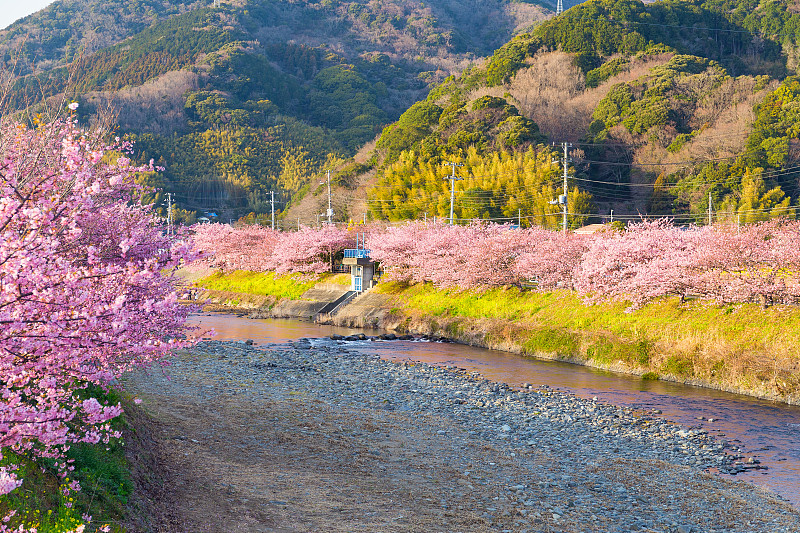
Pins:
x,y
530,460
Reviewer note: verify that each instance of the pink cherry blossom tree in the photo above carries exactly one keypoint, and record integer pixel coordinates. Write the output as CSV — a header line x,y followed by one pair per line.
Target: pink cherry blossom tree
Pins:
x,y
550,259
649,260
311,250
756,263
395,248
475,257
478,255
249,247
86,290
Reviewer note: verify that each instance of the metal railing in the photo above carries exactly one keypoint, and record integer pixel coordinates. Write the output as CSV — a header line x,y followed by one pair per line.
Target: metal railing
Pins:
x,y
352,253
331,308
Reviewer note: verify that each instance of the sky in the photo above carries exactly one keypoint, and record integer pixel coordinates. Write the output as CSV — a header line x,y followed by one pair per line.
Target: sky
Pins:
x,y
11,10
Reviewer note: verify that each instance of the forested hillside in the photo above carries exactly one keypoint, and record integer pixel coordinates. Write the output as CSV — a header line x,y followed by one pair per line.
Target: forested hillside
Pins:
x,y
250,96
669,106
68,28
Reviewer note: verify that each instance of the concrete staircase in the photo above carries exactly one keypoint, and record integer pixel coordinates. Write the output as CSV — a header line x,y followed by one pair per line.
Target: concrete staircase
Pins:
x,y
337,304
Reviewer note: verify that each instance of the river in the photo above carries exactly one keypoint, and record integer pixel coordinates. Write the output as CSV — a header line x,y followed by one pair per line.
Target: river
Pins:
x,y
767,431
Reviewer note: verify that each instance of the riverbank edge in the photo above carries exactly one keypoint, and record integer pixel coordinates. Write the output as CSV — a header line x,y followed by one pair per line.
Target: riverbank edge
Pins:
x,y
752,374
346,387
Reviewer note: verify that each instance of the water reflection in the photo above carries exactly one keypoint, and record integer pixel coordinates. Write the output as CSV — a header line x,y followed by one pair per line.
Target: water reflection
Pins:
x,y
761,429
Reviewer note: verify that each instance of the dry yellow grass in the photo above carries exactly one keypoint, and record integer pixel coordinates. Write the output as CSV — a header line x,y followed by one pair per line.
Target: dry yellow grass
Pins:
x,y
744,348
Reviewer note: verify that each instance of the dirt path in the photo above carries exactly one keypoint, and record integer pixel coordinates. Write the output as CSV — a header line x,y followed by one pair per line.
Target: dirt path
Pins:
x,y
219,452
297,465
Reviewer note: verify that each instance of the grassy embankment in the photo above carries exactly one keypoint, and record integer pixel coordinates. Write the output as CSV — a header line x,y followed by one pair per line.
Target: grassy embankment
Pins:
x,y
102,471
739,348
251,290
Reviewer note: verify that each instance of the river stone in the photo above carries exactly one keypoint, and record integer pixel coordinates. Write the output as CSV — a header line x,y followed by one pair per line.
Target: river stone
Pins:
x,y
338,375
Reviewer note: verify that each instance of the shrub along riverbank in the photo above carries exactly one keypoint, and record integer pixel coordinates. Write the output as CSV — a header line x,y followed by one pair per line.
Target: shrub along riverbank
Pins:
x,y
741,348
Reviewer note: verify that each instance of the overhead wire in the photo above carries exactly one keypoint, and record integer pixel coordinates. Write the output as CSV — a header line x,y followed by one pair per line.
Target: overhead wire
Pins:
x,y
479,198
701,28
521,192
639,216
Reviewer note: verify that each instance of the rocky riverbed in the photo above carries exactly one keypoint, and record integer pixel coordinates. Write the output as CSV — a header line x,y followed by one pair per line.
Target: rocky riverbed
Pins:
x,y
311,436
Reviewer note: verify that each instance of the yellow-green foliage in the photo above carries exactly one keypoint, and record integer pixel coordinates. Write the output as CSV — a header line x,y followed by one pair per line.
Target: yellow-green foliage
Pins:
x,y
729,346
290,286
497,184
242,281
748,326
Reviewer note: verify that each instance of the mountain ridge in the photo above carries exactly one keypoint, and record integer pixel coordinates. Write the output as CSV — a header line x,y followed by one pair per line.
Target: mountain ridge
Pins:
x,y
316,78
664,102
658,128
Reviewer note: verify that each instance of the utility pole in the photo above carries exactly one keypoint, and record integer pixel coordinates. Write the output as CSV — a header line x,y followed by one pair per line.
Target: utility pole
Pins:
x,y
330,209
272,205
453,179
562,198
169,213
709,208
519,217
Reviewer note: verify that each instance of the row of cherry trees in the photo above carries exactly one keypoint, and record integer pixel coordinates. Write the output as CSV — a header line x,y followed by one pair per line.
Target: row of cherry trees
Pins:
x,y
86,288
649,260
260,249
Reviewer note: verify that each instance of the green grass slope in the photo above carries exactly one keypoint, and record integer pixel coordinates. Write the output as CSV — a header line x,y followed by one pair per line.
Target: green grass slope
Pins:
x,y
744,348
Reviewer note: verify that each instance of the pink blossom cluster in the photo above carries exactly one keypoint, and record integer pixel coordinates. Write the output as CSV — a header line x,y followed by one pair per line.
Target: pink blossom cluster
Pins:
x,y
726,264
86,287
648,260
476,256
259,249
247,247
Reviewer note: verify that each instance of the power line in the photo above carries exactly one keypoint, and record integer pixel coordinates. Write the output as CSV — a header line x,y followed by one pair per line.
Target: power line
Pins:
x,y
701,28
518,190
638,216
640,144
606,163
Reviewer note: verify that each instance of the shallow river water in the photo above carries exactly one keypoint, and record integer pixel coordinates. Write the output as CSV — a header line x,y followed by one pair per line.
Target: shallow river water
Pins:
x,y
767,431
